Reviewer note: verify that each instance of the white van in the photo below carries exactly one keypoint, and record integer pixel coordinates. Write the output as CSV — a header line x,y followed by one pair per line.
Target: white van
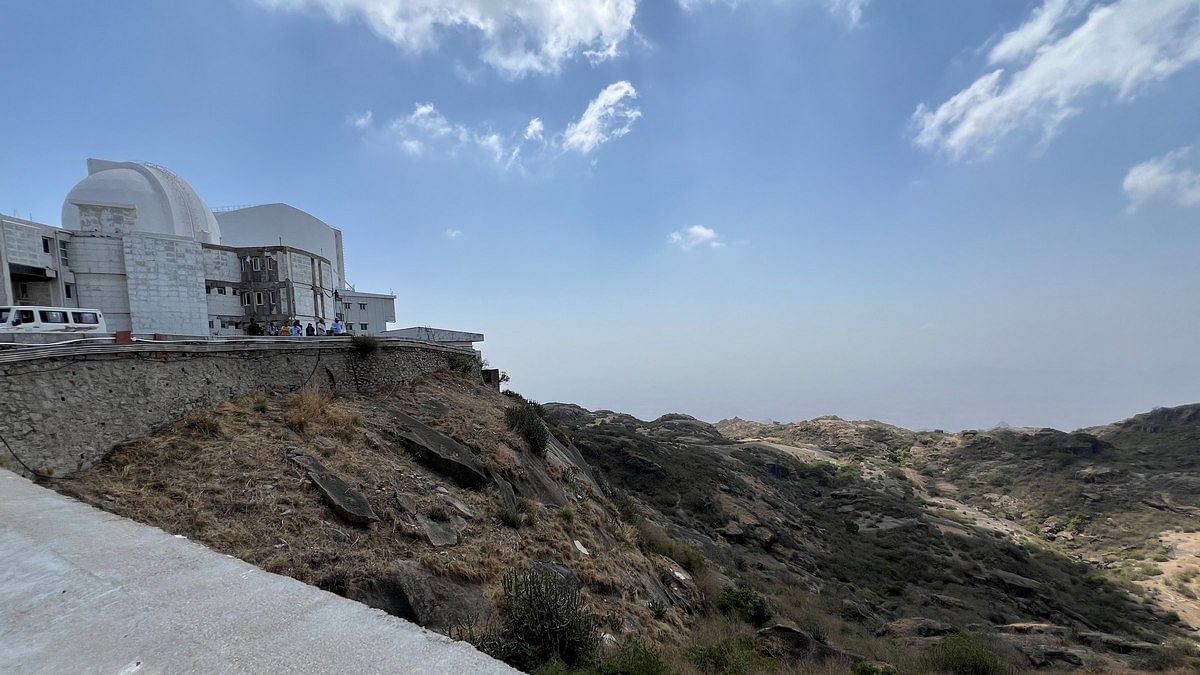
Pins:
x,y
51,320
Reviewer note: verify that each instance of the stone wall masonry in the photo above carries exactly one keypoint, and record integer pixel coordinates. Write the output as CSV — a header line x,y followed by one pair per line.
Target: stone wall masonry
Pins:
x,y
63,414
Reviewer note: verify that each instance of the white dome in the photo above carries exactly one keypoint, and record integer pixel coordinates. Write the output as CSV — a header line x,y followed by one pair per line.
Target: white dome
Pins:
x,y
165,203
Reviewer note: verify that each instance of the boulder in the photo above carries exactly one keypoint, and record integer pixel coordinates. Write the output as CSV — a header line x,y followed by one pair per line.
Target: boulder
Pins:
x,y
793,645
346,501
457,506
416,594
561,571
441,533
508,498
436,450
1045,656
1015,583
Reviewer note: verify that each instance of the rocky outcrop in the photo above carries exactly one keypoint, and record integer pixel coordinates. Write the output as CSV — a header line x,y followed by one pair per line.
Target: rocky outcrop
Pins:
x,y
435,450
346,501
414,593
792,645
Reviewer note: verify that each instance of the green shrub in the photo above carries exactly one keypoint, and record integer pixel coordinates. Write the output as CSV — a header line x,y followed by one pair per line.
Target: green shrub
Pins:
x,y
735,656
364,344
746,604
633,658
864,668
963,654
524,419
543,620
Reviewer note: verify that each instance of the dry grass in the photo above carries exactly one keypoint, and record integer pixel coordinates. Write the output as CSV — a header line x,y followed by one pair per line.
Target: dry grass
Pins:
x,y
312,407
221,477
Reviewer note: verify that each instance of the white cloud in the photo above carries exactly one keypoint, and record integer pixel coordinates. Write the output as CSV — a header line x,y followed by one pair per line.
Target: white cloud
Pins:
x,y
1042,25
1163,180
608,116
427,130
534,130
517,37
1120,48
453,234
849,10
696,235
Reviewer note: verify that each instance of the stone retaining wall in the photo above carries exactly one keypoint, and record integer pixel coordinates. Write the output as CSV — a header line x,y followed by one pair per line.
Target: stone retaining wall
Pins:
x,y
63,414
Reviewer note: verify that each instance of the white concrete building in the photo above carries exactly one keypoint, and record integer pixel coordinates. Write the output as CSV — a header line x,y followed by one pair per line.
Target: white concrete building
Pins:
x,y
140,245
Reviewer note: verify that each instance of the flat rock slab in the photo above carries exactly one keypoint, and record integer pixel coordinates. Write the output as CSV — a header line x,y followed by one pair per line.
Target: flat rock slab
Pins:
x,y
345,500
437,451
85,591
438,533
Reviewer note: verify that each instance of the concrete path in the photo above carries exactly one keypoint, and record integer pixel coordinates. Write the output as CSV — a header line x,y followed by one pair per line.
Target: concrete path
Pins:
x,y
85,591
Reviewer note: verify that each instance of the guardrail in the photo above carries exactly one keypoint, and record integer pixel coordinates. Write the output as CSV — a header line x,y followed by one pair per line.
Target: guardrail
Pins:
x,y
108,345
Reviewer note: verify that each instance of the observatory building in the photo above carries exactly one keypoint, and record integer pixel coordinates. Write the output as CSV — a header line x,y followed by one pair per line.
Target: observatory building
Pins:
x,y
141,246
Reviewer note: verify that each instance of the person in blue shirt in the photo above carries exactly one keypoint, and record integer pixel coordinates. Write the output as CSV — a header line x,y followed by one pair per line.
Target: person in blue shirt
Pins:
x,y
296,330
338,328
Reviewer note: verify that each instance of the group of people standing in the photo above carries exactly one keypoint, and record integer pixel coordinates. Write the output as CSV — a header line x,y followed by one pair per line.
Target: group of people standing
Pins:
x,y
295,330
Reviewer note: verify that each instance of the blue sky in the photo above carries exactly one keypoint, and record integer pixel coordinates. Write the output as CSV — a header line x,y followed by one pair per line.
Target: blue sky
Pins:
x,y
939,214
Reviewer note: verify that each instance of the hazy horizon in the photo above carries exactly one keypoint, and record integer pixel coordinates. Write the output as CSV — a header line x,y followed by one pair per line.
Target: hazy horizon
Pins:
x,y
934,214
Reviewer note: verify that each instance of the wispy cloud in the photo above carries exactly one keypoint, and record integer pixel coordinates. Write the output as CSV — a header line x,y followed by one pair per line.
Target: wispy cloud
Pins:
x,y
696,235
426,131
851,11
516,37
534,129
1120,49
608,116
1163,180
453,234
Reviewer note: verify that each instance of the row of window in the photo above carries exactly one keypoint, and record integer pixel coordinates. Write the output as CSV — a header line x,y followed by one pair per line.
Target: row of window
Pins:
x,y
361,305
256,263
62,250
258,298
52,316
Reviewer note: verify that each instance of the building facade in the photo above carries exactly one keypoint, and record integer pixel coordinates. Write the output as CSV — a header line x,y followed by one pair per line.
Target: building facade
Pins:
x,y
138,244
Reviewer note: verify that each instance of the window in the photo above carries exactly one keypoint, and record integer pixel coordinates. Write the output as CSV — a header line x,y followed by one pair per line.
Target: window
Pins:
x,y
25,315
245,299
24,290
62,253
258,298
67,290
245,266
362,306
45,244
50,316
257,264
346,305
270,263
362,326
272,297
220,290
235,291
4,312
89,318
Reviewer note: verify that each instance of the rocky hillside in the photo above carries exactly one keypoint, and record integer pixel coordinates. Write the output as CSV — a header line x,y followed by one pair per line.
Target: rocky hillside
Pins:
x,y
689,547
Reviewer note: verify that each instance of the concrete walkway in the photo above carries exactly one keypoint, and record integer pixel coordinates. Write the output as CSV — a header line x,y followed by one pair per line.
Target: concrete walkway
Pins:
x,y
85,591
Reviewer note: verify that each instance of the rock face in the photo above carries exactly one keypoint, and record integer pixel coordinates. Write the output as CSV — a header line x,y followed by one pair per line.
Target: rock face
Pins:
x,y
794,645
346,501
437,451
416,594
441,533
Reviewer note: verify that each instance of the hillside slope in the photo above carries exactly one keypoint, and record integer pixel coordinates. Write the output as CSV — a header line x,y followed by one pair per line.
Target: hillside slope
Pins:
x,y
879,544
